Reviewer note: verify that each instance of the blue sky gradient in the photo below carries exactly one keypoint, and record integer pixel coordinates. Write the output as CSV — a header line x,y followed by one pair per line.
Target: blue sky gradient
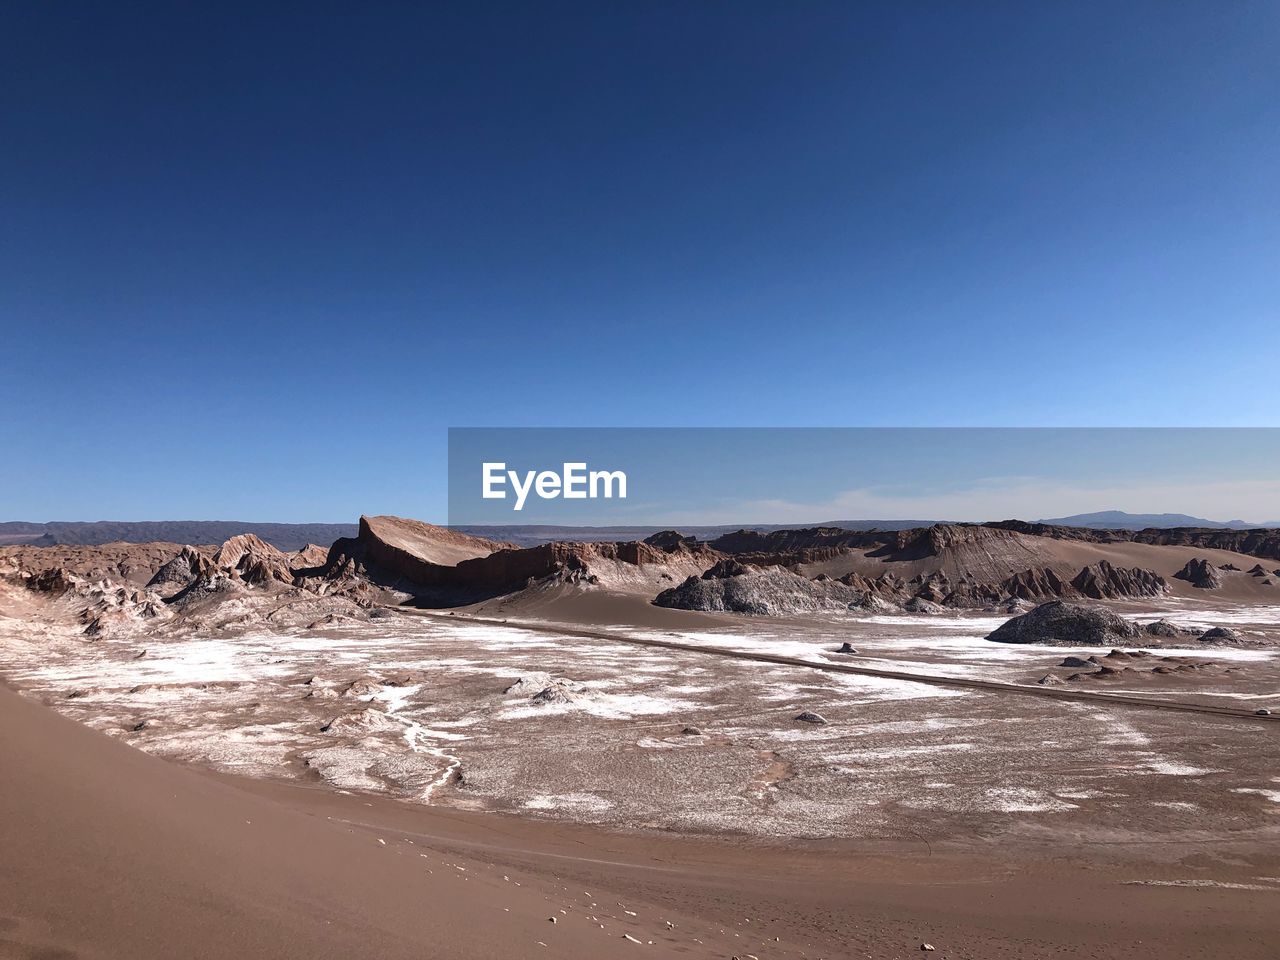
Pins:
x,y
256,259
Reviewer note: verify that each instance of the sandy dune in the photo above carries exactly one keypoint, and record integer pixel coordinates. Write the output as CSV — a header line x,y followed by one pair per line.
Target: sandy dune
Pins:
x,y
110,853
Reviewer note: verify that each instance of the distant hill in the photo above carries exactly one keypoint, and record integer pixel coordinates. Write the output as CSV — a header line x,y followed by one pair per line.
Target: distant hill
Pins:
x,y
282,536
1119,520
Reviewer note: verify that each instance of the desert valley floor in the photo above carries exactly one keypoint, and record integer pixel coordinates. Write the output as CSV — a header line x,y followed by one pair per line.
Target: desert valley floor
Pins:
x,y
416,708
707,774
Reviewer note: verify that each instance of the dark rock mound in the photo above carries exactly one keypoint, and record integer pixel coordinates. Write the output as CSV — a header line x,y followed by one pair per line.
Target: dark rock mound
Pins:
x,y
670,540
203,588
734,587
1200,573
1062,623
1225,637
808,716
1167,629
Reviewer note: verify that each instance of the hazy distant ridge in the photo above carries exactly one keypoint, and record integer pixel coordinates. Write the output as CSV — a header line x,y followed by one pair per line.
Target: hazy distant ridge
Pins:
x,y
1119,520
282,536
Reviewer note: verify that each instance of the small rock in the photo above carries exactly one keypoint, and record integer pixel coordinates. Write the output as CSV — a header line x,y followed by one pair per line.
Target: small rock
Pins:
x,y
846,647
927,947
691,732
810,717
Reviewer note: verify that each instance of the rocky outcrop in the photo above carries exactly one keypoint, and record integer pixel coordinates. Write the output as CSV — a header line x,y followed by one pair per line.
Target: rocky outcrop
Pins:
x,y
733,587
543,689
367,720
394,549
671,540
188,565
919,604
413,556
253,560
55,581
1167,630
1063,623
1102,581
1225,637
1036,584
809,542
1200,573
217,585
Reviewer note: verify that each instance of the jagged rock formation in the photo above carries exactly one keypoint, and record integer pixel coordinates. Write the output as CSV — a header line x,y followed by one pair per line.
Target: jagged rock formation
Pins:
x,y
112,607
1102,581
216,585
190,564
543,689
734,587
101,606
253,560
1062,623
1200,573
1036,584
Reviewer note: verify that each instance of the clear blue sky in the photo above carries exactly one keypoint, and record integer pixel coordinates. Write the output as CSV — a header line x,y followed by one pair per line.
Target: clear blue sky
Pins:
x,y
255,259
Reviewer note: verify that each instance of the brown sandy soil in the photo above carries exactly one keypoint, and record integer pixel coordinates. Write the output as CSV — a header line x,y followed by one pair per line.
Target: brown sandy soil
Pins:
x,y
593,606
110,853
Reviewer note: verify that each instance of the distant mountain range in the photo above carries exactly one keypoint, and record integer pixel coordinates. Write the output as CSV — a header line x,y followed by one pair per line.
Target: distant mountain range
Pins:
x,y
1119,520
282,536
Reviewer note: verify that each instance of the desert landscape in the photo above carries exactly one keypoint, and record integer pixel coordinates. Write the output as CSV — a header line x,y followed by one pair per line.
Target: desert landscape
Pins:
x,y
980,740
